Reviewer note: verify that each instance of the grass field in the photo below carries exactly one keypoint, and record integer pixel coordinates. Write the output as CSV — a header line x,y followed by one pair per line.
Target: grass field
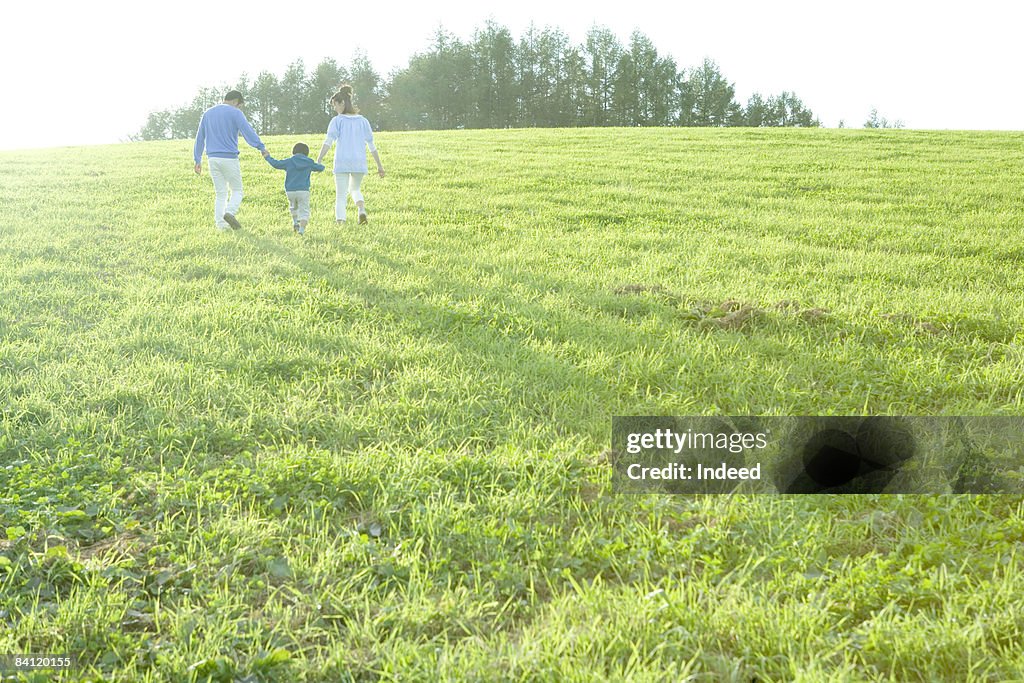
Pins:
x,y
379,452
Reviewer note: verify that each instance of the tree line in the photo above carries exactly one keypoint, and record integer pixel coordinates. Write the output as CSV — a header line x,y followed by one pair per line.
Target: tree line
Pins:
x,y
494,80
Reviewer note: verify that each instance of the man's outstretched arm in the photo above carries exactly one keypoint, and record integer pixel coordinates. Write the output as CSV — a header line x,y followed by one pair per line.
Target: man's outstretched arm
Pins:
x,y
249,133
197,149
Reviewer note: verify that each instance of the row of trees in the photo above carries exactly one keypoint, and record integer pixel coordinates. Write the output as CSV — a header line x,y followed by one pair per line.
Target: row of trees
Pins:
x,y
495,81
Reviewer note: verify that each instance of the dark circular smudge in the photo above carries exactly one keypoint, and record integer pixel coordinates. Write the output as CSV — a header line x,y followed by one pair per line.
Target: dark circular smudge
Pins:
x,y
845,455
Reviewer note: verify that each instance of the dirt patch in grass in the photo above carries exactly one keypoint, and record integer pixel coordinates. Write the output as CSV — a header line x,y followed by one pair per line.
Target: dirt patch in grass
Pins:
x,y
120,546
638,289
793,308
730,314
640,300
734,315
917,325
657,292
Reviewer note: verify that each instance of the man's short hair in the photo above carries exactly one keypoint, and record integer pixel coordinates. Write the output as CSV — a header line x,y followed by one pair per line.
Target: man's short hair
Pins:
x,y
234,95
300,148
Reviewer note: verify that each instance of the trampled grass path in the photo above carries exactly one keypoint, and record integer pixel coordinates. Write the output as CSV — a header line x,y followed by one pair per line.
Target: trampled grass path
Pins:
x,y
377,452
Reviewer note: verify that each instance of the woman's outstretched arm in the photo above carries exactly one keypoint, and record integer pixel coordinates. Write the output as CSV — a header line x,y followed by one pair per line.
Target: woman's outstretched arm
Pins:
x,y
323,152
380,166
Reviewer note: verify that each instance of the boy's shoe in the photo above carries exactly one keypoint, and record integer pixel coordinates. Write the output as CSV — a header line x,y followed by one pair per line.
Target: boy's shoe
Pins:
x,y
301,230
232,221
362,218
222,228
296,228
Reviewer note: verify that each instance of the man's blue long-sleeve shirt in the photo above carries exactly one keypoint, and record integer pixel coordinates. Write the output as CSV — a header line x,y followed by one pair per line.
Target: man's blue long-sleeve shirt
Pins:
x,y
218,133
297,170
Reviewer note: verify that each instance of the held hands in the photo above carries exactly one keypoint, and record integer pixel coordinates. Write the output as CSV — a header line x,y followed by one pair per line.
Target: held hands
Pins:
x,y
264,152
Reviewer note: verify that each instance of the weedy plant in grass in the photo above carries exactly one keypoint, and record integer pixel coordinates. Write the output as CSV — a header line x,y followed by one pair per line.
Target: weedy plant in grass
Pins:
x,y
375,453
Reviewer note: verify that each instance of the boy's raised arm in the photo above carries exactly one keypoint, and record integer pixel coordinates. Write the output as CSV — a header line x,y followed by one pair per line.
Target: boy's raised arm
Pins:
x,y
276,163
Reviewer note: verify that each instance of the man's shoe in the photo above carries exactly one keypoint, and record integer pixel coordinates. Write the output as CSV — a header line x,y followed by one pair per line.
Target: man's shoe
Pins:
x,y
362,218
232,221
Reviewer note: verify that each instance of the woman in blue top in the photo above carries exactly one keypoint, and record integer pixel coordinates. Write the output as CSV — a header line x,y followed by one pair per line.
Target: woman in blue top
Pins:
x,y
352,133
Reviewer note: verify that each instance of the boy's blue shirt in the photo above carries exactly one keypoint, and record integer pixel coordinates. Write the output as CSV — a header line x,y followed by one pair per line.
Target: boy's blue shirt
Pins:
x,y
297,170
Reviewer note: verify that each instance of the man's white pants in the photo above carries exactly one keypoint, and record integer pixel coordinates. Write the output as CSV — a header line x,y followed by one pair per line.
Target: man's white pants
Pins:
x,y
227,187
346,184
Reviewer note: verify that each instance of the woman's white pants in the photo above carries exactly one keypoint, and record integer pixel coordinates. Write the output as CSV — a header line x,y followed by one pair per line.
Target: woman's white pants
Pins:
x,y
346,184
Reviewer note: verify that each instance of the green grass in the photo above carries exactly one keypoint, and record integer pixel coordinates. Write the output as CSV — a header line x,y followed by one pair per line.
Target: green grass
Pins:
x,y
378,453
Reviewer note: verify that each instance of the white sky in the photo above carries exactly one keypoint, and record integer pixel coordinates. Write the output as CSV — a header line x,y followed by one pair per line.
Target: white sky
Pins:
x,y
87,73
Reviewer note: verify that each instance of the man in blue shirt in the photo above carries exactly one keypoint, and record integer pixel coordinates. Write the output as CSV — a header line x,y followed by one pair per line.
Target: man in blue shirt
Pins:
x,y
218,135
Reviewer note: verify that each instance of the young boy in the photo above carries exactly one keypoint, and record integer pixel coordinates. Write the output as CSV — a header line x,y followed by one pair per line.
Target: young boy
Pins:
x,y
298,168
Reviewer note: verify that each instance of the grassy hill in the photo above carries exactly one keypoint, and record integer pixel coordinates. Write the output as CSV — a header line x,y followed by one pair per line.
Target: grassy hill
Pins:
x,y
378,452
